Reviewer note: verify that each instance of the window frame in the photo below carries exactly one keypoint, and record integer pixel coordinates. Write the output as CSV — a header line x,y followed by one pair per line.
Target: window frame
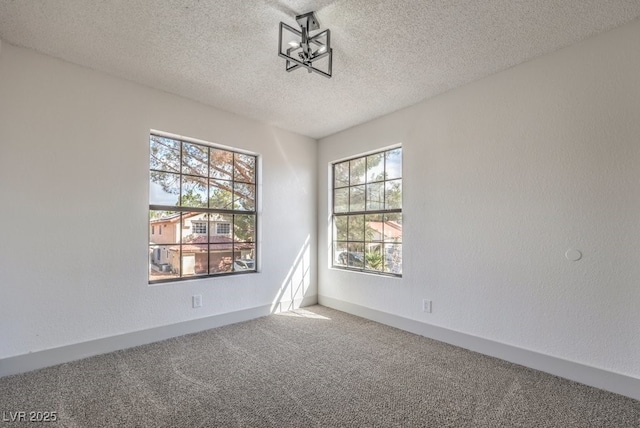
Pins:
x,y
364,212
183,211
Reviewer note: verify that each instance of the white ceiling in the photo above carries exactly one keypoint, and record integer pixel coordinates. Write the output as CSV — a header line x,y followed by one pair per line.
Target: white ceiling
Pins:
x,y
388,54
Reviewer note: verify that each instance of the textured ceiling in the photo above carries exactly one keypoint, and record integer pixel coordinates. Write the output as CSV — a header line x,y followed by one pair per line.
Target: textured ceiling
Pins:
x,y
387,54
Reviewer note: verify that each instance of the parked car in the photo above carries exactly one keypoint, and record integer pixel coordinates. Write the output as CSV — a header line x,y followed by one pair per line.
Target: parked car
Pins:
x,y
350,259
244,265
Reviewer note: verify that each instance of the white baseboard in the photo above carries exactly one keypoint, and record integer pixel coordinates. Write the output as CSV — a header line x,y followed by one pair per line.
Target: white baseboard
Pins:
x,y
592,376
64,354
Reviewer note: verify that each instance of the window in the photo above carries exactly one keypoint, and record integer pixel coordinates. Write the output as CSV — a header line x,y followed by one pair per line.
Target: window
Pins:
x,y
223,228
199,227
367,213
195,188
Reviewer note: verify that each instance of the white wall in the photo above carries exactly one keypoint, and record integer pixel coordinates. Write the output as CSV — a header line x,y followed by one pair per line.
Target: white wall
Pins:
x,y
501,178
73,185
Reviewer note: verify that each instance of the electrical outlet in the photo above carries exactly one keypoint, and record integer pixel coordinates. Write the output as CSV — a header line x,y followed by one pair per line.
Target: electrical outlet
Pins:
x,y
196,300
426,306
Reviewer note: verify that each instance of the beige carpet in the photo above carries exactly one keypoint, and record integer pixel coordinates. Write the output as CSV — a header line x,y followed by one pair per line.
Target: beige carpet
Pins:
x,y
315,367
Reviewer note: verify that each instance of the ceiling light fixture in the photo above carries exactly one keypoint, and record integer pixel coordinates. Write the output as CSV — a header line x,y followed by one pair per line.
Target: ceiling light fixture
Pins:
x,y
300,49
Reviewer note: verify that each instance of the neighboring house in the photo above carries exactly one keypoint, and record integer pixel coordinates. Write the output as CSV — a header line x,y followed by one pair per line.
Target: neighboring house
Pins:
x,y
201,240
385,231
165,230
390,232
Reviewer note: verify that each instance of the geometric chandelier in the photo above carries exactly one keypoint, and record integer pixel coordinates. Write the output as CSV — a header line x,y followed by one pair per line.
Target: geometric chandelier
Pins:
x,y
301,49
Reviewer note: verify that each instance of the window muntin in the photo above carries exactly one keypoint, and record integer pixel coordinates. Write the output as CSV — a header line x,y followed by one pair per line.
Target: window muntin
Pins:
x,y
367,213
204,198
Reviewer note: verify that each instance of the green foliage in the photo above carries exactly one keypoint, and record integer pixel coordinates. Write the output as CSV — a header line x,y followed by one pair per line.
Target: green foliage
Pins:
x,y
374,260
245,228
206,168
192,199
220,198
372,182
393,194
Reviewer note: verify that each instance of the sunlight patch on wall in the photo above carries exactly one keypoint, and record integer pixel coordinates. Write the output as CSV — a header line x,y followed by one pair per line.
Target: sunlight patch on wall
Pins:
x,y
296,283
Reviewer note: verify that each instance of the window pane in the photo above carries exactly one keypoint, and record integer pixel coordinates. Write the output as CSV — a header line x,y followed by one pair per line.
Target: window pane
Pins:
x,y
374,228
195,259
162,259
194,192
220,228
355,255
164,154
356,228
244,168
220,194
393,194
375,196
396,217
164,188
194,228
341,200
244,196
194,159
375,167
341,174
393,228
393,164
220,258
244,228
373,257
165,226
340,253
357,171
393,258
340,228
221,164
357,198
244,257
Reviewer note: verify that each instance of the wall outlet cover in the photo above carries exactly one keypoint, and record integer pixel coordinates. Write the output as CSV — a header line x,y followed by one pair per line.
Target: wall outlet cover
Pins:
x,y
196,300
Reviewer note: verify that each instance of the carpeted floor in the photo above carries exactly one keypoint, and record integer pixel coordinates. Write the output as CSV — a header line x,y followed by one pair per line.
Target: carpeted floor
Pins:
x,y
315,367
